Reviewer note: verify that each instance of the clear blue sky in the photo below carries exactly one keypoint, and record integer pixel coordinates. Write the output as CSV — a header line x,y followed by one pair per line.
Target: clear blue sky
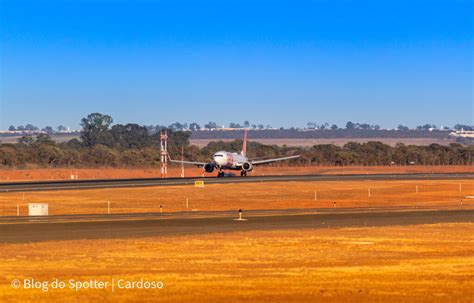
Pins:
x,y
281,63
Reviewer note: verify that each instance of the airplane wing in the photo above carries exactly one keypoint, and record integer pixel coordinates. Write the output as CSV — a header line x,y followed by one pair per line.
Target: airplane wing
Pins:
x,y
258,162
198,164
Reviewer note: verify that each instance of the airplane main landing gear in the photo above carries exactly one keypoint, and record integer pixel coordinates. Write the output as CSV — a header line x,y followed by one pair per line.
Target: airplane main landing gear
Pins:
x,y
243,173
220,174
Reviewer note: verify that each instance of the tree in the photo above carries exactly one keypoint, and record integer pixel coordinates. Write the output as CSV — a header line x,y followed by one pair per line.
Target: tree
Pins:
x,y
334,127
31,127
20,127
177,126
425,127
130,136
350,125
61,129
234,125
194,126
48,130
246,124
95,130
211,125
260,126
12,128
402,128
463,127
254,126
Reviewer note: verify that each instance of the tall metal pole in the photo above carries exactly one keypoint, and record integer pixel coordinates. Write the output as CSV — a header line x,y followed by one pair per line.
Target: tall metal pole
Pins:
x,y
182,163
164,152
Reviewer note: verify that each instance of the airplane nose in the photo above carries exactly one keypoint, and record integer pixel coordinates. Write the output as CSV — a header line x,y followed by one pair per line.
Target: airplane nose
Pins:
x,y
219,160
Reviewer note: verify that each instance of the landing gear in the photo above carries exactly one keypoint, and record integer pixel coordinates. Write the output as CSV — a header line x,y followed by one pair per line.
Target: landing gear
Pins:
x,y
243,173
220,174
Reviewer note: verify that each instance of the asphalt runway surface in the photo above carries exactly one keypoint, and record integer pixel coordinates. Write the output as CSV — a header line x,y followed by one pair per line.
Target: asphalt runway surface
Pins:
x,y
116,183
76,227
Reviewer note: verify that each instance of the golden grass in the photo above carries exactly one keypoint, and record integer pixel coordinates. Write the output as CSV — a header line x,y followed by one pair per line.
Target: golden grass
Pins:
x,y
247,196
425,263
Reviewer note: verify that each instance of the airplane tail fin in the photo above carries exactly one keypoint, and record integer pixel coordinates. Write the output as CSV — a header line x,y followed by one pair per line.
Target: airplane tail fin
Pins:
x,y
244,144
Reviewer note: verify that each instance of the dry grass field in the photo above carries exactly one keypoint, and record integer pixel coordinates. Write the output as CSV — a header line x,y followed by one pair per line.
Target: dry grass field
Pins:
x,y
422,263
7,175
274,195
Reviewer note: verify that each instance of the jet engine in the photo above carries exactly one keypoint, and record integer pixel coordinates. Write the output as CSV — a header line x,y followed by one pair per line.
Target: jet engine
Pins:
x,y
209,167
247,166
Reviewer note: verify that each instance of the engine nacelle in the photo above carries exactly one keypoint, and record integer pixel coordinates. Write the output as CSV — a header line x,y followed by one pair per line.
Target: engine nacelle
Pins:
x,y
247,166
209,167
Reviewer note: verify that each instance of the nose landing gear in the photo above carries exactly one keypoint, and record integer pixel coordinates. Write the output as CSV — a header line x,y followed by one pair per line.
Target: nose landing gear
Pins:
x,y
243,173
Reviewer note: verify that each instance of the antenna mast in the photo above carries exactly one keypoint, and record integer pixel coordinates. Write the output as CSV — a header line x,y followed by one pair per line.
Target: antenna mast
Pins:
x,y
182,163
164,152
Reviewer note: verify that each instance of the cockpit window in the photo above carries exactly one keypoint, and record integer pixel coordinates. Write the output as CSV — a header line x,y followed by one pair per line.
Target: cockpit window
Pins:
x,y
217,155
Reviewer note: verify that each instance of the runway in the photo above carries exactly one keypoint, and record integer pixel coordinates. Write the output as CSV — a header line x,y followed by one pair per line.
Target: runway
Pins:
x,y
75,227
144,182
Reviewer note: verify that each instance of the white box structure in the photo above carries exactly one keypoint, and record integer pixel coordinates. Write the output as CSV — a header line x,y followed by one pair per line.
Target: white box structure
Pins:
x,y
37,209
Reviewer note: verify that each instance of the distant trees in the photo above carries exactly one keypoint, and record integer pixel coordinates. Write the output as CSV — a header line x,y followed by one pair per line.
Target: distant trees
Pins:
x,y
12,128
234,125
48,129
178,126
104,144
210,125
426,127
31,127
95,130
130,136
61,128
194,126
463,127
402,128
133,147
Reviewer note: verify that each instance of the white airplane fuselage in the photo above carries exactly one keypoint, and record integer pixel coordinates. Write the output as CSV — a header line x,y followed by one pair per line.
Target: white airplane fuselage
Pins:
x,y
229,160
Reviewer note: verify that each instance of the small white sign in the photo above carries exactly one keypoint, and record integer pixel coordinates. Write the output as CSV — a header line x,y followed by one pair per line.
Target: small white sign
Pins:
x,y
37,209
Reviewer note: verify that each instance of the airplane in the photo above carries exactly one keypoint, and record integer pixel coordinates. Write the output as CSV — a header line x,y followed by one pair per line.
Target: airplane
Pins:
x,y
223,160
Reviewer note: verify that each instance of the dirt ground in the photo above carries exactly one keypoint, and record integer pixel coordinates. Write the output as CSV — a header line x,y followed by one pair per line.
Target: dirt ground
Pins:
x,y
271,195
420,263
7,175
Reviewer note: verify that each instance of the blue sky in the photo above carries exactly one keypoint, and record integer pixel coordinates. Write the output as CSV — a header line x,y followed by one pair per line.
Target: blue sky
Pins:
x,y
282,63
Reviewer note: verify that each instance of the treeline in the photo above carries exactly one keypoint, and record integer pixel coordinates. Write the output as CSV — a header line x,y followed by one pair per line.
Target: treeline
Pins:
x,y
132,145
43,152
